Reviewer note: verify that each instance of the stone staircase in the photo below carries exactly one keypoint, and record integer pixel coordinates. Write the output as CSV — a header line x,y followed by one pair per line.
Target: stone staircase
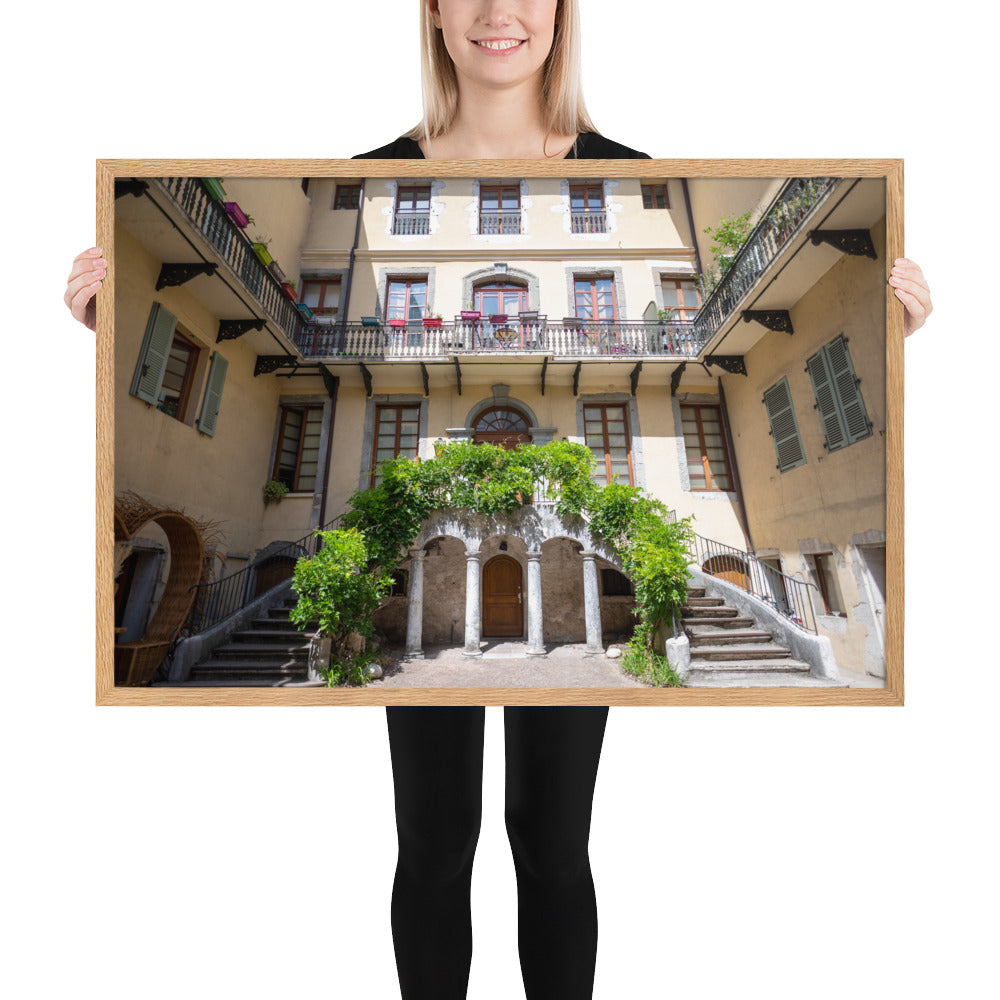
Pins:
x,y
728,650
271,652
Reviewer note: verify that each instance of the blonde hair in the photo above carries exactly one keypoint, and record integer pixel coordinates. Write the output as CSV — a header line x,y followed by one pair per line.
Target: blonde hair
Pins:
x,y
562,91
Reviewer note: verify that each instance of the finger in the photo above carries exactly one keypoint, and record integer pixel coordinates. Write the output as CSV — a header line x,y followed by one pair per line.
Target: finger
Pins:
x,y
86,265
915,312
82,281
78,303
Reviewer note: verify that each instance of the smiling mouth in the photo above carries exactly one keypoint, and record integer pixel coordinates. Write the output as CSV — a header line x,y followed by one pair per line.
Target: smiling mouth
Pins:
x,y
499,44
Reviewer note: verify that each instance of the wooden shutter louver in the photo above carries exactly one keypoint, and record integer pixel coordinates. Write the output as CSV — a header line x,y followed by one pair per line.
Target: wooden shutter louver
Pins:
x,y
152,364
826,401
784,428
855,416
213,395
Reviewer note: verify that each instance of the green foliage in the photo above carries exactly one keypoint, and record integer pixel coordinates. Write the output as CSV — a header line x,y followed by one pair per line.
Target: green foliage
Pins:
x,y
727,241
274,490
649,667
351,673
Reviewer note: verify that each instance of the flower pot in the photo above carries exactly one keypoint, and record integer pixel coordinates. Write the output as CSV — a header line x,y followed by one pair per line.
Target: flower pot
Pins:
x,y
279,275
236,214
498,319
572,322
287,288
470,314
397,324
214,187
369,321
307,313
432,321
260,249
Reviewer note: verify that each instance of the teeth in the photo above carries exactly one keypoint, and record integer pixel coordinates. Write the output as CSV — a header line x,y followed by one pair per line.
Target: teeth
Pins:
x,y
498,46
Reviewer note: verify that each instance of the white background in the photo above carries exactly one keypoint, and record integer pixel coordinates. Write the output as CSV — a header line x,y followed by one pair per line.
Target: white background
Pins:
x,y
249,853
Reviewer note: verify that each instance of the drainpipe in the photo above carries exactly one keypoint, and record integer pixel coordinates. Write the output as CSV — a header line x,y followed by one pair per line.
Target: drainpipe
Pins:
x,y
741,505
329,450
690,217
354,247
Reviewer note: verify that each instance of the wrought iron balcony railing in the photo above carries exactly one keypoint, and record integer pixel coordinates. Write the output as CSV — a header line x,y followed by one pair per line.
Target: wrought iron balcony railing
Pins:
x,y
232,245
589,222
500,223
586,339
794,204
411,224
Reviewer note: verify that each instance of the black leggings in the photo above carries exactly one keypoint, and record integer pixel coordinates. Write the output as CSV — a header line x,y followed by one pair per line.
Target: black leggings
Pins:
x,y
437,765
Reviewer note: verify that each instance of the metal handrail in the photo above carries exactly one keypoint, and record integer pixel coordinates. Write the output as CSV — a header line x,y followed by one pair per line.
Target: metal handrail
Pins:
x,y
221,599
788,596
584,338
790,208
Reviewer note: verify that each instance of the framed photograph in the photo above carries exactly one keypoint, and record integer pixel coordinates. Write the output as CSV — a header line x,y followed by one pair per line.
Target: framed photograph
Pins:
x,y
499,432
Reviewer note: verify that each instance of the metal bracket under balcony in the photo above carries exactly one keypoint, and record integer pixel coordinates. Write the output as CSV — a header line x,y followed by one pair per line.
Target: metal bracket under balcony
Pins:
x,y
778,320
178,274
545,364
267,363
366,376
633,378
732,363
426,379
135,187
458,373
675,378
330,382
576,378
232,329
855,242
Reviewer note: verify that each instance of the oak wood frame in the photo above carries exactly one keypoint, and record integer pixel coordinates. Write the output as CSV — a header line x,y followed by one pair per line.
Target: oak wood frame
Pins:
x,y
892,694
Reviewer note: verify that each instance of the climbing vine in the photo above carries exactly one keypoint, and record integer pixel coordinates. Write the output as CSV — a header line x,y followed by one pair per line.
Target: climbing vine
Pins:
x,y
342,590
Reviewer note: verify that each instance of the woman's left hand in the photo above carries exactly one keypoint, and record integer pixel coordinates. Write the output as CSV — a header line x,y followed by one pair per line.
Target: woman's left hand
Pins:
x,y
910,286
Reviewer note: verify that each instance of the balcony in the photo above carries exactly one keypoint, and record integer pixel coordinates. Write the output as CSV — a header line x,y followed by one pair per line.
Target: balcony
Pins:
x,y
610,340
411,224
230,243
500,223
589,222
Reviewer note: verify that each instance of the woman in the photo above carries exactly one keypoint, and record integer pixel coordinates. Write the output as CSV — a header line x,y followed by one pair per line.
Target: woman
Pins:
x,y
501,80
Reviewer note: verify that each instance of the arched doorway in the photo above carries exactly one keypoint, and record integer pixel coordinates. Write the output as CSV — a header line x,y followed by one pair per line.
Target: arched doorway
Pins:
x,y
502,425
729,568
503,610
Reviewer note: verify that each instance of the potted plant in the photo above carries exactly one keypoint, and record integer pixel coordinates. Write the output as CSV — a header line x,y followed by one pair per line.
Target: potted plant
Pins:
x,y
307,313
237,214
274,490
470,314
572,322
665,315
397,323
275,268
528,314
259,244
214,187
498,319
433,321
369,321
288,287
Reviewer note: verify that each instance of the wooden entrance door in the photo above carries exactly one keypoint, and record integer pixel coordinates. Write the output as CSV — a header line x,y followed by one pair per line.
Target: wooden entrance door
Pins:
x,y
503,613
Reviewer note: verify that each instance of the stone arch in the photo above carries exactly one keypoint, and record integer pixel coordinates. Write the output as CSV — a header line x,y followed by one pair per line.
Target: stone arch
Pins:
x,y
513,275
501,398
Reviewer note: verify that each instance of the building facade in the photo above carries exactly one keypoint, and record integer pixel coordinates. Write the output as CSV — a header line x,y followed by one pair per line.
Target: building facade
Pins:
x,y
417,311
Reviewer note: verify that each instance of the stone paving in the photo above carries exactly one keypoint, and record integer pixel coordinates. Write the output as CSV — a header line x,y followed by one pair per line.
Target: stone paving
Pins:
x,y
506,664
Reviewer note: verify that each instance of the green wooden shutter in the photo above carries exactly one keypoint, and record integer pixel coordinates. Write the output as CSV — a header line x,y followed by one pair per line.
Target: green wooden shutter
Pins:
x,y
784,427
826,400
152,364
852,406
213,395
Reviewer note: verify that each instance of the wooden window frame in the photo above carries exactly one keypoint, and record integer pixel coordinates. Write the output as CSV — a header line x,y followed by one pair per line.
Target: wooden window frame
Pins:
x,y
585,189
682,313
320,309
708,487
604,407
409,282
398,407
304,409
353,194
187,379
498,190
814,558
649,191
593,279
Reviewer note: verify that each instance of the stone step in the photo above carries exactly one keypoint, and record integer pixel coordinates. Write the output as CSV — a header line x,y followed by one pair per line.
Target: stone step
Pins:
x,y
779,664
762,679
266,635
284,624
739,652
696,591
704,602
740,621
246,673
261,650
716,611
700,636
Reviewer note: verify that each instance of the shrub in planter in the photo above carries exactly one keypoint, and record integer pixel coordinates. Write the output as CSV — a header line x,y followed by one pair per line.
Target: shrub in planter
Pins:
x,y
274,490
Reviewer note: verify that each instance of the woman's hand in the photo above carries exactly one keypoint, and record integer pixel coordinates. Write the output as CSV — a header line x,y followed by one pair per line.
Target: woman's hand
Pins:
x,y
85,277
910,286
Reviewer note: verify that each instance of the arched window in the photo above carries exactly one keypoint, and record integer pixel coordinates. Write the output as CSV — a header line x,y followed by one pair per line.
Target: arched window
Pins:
x,y
502,425
503,297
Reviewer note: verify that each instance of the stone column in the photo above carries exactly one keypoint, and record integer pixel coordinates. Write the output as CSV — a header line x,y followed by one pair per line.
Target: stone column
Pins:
x,y
536,643
415,609
591,603
473,605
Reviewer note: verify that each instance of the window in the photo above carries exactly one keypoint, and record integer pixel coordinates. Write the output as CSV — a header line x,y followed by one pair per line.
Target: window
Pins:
x,y
784,426
501,297
615,584
406,299
502,425
178,377
606,433
682,296
655,196
826,579
595,299
705,446
838,398
500,210
400,583
586,202
413,211
322,295
397,430
347,196
297,458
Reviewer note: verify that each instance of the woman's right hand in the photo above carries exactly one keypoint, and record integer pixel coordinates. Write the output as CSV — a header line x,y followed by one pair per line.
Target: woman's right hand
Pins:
x,y
85,277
